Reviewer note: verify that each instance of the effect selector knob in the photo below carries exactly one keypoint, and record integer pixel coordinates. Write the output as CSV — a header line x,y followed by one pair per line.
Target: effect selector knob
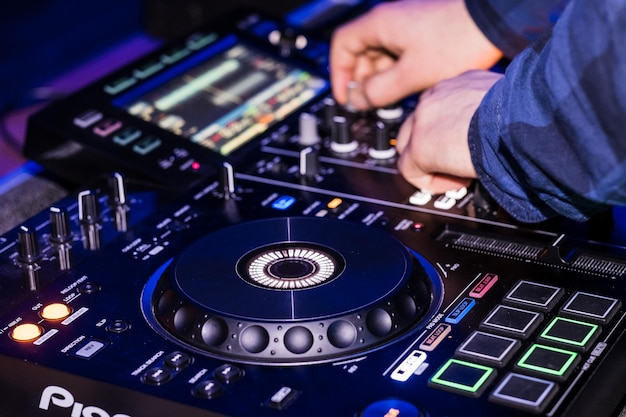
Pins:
x,y
341,137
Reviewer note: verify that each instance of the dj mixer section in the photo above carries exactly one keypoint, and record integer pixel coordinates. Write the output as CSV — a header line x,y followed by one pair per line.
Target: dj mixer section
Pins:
x,y
243,246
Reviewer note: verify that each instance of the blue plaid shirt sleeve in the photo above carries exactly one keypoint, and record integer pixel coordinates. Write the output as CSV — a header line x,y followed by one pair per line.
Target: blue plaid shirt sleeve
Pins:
x,y
548,138
512,25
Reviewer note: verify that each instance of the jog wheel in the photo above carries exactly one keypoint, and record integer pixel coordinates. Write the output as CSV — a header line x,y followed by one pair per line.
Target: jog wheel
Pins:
x,y
291,291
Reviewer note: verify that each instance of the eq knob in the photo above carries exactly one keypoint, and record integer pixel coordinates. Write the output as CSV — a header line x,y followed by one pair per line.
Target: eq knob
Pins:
x,y
381,147
61,236
117,201
342,141
89,218
28,254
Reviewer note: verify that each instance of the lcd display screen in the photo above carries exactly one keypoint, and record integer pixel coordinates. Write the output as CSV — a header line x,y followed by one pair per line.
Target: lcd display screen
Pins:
x,y
224,96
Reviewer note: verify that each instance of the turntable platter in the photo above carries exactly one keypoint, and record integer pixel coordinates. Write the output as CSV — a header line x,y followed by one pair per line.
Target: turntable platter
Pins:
x,y
291,290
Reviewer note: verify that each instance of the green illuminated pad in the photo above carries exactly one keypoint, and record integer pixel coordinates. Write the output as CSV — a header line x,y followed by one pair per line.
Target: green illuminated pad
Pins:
x,y
463,377
549,361
570,333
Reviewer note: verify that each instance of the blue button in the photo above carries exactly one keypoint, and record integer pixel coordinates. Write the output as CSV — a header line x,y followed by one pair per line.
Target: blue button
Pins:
x,y
460,310
283,202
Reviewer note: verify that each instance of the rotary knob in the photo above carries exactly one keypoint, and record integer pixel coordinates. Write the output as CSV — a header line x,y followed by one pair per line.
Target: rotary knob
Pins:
x,y
28,254
117,201
89,218
381,148
61,236
341,138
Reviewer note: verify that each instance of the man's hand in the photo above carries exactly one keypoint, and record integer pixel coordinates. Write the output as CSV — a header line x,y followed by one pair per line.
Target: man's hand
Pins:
x,y
433,141
403,47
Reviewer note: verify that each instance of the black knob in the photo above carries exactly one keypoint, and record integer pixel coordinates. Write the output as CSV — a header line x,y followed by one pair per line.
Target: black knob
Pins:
x,y
89,218
117,189
117,201
28,254
341,137
61,237
59,226
88,208
381,147
27,245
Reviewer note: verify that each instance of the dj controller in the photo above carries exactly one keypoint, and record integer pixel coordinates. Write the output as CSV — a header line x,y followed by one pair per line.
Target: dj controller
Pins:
x,y
243,246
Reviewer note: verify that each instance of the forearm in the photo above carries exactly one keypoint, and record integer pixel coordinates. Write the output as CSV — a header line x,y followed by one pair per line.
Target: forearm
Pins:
x,y
548,138
512,25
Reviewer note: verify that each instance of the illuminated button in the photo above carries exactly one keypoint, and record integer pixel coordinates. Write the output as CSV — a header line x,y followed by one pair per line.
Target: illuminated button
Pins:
x,y
511,321
282,398
408,366
127,135
87,118
391,408
595,308
175,55
463,377
148,69
524,392
484,286
283,202
56,311
334,203
489,349
460,311
570,333
435,337
26,332
106,127
147,145
547,361
89,349
534,296
119,85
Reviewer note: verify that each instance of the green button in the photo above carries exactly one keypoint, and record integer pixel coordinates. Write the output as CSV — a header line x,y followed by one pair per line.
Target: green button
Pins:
x,y
570,333
463,377
549,361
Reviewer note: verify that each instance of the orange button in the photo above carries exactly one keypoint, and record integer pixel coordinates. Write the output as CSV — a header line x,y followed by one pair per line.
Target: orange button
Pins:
x,y
55,311
26,332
